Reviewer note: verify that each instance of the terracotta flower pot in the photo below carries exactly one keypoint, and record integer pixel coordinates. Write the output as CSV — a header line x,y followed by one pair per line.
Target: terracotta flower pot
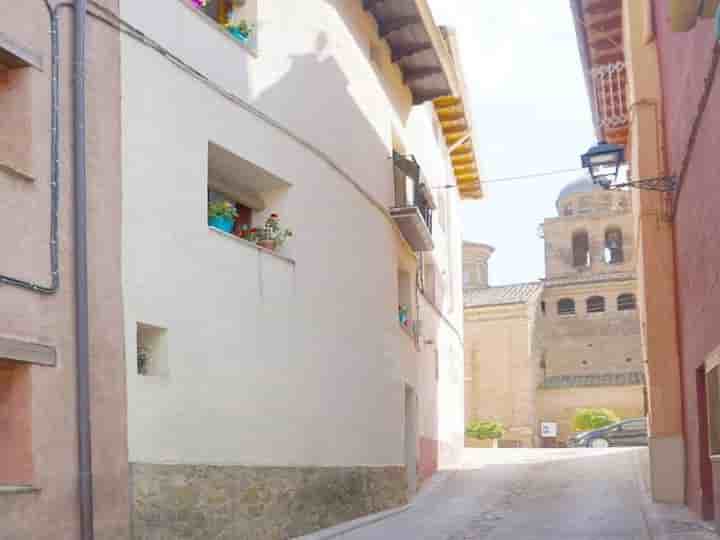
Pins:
x,y
267,244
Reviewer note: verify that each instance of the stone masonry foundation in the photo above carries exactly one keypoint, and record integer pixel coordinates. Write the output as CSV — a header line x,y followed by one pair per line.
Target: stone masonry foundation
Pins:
x,y
197,502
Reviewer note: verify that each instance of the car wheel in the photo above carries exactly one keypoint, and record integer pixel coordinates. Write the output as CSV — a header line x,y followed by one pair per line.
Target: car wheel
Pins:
x,y
598,443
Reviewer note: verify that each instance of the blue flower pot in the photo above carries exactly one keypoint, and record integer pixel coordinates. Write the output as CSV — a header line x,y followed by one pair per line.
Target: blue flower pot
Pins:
x,y
240,36
222,223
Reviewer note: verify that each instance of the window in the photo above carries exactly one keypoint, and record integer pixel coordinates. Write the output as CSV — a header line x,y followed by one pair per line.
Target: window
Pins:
x,y
595,304
16,464
635,425
405,303
614,246
152,350
626,302
581,249
543,307
566,306
237,16
243,187
16,108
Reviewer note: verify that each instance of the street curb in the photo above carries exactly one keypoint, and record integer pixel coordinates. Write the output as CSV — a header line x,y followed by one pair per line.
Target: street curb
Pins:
x,y
668,521
344,528
437,480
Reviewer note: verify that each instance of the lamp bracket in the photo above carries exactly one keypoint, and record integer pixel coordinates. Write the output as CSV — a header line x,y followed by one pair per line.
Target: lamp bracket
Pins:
x,y
664,184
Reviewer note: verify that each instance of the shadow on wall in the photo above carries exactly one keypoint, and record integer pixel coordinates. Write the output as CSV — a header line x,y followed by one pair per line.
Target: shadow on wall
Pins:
x,y
313,101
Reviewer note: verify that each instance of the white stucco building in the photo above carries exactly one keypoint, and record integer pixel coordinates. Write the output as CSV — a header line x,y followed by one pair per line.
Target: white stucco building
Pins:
x,y
278,391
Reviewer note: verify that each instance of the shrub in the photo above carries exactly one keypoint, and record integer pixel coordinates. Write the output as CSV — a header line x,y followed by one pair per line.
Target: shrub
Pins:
x,y
589,419
485,430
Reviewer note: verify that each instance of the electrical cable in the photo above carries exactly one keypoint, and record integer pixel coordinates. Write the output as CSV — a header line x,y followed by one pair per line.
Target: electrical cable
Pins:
x,y
517,178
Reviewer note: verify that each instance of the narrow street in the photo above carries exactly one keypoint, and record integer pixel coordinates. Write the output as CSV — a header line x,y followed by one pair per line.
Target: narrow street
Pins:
x,y
577,494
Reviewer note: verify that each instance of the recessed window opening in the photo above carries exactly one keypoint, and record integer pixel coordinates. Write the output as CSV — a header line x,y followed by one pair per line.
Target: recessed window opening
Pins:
x,y
566,306
16,462
614,246
626,302
405,303
581,249
237,17
595,304
152,350
543,307
238,194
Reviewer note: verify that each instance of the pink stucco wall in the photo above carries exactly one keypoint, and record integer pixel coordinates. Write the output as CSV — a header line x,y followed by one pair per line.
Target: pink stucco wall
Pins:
x,y
51,512
685,59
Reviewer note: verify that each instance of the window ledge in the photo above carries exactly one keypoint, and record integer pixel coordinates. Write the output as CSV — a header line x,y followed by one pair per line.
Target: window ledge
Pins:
x,y
12,171
17,490
250,48
252,246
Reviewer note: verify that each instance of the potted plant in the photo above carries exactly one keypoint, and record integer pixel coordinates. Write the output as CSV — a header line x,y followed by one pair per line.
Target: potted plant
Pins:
x,y
239,29
222,215
272,236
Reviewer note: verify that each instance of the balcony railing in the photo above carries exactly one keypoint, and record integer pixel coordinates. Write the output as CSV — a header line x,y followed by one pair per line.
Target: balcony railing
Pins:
x,y
413,203
610,87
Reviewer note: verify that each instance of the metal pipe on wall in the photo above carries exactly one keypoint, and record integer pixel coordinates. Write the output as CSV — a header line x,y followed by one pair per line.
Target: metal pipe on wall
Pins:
x,y
82,338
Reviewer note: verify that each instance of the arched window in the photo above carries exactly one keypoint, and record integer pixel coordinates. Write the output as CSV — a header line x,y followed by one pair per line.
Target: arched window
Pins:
x,y
566,306
595,304
626,302
581,249
614,246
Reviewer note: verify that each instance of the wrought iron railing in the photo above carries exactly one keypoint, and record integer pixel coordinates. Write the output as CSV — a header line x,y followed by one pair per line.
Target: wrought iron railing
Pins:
x,y
410,190
610,90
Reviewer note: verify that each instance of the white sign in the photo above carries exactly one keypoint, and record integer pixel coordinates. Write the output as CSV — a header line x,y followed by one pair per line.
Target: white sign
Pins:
x,y
548,429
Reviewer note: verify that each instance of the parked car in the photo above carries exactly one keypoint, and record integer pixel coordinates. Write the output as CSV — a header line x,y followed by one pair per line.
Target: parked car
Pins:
x,y
631,432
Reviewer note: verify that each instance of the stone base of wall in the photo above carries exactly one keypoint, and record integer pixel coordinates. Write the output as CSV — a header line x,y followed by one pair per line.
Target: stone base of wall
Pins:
x,y
199,502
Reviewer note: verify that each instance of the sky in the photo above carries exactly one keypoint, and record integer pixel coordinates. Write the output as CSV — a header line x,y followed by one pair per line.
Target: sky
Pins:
x,y
531,114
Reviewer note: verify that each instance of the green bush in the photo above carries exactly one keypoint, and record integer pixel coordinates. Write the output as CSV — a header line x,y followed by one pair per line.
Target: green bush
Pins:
x,y
485,430
589,419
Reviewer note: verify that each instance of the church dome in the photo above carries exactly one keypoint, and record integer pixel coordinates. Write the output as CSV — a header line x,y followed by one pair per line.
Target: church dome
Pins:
x,y
584,184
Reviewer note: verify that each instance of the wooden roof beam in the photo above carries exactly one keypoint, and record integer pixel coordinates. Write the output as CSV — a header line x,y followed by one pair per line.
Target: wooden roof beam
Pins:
x,y
398,53
393,25
412,75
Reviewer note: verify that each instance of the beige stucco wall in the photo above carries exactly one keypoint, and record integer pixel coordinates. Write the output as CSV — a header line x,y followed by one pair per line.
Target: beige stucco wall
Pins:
x,y
52,511
302,357
559,405
500,374
656,269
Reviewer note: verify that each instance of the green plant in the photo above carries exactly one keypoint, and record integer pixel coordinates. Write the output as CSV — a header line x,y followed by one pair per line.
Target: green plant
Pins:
x,y
222,209
273,232
485,430
589,419
241,26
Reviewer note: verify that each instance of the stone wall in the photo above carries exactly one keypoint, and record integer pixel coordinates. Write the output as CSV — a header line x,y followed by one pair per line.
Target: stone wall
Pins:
x,y
559,405
256,503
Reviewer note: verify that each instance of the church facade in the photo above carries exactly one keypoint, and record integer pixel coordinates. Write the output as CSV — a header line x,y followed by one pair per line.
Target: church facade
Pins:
x,y
536,352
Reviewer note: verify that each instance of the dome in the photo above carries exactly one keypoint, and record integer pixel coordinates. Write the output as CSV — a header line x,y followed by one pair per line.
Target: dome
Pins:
x,y
584,184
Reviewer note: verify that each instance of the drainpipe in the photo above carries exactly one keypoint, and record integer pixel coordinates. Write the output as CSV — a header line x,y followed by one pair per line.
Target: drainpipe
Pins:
x,y
82,344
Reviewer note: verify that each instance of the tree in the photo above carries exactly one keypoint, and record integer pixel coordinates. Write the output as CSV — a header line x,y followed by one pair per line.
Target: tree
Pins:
x,y
589,419
485,430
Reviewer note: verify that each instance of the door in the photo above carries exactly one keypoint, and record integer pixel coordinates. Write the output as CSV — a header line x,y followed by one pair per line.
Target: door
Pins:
x,y
410,440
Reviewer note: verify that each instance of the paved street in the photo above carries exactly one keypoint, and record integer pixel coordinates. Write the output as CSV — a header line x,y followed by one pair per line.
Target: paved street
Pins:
x,y
575,494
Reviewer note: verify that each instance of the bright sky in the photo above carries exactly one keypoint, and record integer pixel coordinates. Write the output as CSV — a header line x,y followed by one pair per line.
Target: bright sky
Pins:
x,y
531,114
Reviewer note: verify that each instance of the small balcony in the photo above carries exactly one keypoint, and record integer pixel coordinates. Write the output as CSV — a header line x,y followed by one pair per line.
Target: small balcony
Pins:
x,y
413,204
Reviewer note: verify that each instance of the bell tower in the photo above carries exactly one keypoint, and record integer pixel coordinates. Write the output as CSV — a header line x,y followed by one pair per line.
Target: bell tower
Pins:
x,y
475,265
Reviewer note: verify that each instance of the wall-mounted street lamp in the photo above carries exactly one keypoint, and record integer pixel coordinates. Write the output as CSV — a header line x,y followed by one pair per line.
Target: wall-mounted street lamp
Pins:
x,y
603,162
